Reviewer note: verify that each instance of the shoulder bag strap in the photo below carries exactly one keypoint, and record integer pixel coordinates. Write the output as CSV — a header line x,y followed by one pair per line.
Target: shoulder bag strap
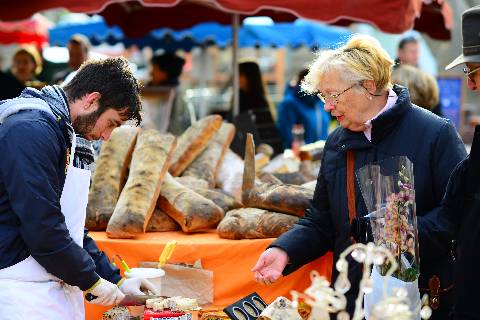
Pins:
x,y
352,211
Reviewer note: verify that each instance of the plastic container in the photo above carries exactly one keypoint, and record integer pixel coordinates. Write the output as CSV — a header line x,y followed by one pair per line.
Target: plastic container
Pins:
x,y
153,275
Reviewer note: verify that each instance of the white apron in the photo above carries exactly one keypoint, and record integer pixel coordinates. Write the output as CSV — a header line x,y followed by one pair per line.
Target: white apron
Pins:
x,y
27,290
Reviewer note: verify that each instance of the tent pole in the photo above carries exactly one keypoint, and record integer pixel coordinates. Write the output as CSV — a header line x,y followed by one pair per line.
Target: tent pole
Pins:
x,y
236,100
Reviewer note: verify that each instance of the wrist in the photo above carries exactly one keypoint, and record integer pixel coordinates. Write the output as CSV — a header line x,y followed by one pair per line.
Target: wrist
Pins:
x,y
119,283
94,285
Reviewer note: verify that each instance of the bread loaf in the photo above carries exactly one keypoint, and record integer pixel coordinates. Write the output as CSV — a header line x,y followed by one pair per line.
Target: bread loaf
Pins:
x,y
161,222
136,203
253,223
189,209
206,165
283,198
110,176
192,142
191,182
221,199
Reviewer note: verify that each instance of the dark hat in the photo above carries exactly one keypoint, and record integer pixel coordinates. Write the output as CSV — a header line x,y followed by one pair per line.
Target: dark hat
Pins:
x,y
471,38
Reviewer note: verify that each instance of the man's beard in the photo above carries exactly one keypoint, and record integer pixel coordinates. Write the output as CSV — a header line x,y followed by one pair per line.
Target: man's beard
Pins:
x,y
84,124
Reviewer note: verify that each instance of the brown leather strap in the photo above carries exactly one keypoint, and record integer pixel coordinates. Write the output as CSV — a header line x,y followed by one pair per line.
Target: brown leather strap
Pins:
x,y
352,210
434,291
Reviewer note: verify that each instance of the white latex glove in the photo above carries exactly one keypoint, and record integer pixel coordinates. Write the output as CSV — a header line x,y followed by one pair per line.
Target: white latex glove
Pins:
x,y
133,285
270,265
106,293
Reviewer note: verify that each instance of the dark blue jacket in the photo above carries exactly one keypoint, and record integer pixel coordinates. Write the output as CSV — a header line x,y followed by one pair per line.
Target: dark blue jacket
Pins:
x,y
299,108
32,173
462,204
434,147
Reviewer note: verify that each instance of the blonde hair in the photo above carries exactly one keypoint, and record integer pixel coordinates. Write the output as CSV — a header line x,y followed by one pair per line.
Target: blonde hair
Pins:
x,y
361,58
33,53
422,86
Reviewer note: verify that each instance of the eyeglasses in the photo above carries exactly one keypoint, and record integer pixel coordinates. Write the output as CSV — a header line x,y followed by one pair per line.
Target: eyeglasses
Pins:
x,y
333,98
468,72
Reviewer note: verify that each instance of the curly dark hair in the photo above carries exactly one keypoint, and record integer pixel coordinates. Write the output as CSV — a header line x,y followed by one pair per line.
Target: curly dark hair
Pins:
x,y
113,79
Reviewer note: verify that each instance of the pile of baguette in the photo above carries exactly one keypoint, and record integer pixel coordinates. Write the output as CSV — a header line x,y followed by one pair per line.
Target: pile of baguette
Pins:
x,y
146,181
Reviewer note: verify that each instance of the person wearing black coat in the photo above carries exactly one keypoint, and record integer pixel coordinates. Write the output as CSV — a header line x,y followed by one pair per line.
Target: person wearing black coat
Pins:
x,y
377,122
462,199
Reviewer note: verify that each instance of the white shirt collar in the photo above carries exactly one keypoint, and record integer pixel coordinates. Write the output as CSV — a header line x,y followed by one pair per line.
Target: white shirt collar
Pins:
x,y
392,99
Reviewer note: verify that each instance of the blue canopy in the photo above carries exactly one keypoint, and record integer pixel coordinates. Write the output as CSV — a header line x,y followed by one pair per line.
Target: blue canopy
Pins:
x,y
296,34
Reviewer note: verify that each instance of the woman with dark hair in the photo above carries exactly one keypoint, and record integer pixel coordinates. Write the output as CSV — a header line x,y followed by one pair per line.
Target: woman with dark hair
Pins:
x,y
256,113
252,88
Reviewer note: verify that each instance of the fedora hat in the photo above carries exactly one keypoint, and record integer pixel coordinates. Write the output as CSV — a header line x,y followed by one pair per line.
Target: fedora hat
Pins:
x,y
471,38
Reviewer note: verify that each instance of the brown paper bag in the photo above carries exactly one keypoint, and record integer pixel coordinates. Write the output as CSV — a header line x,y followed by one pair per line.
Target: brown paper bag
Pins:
x,y
186,280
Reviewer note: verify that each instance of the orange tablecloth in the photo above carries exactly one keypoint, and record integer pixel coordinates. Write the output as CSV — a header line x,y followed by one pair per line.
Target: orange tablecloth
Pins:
x,y
230,261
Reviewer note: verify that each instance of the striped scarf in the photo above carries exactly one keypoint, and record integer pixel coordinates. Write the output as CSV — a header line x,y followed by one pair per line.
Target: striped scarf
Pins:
x,y
56,99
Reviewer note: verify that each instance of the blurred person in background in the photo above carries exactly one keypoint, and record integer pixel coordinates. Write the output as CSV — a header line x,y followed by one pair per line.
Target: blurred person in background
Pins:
x,y
166,69
462,200
423,87
408,51
377,122
26,64
256,113
78,48
302,108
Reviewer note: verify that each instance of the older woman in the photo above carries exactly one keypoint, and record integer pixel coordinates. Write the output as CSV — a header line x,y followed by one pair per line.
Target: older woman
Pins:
x,y
377,121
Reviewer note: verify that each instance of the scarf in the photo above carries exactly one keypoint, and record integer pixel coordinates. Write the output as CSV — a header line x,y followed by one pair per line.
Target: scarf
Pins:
x,y
55,103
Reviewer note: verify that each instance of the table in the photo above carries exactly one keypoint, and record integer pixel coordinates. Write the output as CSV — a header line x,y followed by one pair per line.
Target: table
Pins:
x,y
230,261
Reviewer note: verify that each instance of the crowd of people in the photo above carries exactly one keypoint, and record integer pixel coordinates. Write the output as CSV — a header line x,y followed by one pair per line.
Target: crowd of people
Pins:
x,y
382,107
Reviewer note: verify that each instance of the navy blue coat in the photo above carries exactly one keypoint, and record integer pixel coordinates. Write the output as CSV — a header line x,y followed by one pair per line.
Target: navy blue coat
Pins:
x,y
434,147
462,204
32,173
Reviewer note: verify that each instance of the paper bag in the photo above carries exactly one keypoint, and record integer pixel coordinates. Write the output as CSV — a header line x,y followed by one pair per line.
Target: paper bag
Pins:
x,y
186,281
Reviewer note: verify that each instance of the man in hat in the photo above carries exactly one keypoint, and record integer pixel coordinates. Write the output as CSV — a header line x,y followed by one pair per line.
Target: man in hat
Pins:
x,y
462,199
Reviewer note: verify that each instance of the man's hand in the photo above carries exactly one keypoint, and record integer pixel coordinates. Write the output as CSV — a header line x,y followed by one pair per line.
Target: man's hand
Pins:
x,y
133,286
270,265
105,293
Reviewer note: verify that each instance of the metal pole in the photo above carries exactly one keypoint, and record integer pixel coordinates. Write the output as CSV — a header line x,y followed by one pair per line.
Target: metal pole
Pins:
x,y
236,83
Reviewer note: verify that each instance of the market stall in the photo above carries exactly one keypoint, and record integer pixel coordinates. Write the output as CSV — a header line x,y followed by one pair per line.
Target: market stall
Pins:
x,y
230,261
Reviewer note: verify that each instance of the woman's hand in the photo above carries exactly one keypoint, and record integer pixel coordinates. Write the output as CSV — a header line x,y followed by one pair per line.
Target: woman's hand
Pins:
x,y
270,265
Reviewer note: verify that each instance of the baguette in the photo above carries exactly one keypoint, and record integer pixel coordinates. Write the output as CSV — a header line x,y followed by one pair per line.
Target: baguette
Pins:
x,y
192,142
206,165
284,198
189,209
253,223
110,176
161,222
136,203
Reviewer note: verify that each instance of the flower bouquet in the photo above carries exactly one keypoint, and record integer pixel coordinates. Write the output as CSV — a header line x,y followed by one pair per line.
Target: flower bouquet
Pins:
x,y
388,190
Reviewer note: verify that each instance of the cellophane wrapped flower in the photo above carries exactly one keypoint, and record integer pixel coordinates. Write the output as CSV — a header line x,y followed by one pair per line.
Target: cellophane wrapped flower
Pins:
x,y
389,194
